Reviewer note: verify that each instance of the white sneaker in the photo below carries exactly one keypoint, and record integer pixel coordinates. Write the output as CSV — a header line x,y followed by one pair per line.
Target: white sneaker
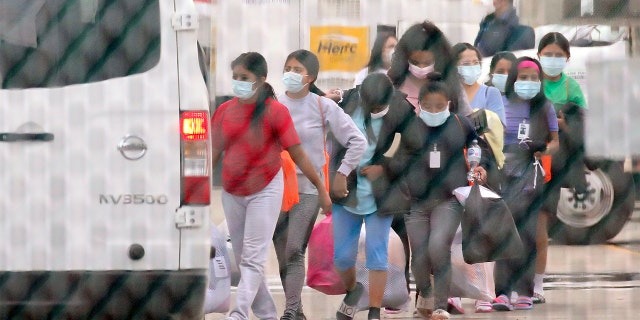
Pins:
x,y
514,297
483,306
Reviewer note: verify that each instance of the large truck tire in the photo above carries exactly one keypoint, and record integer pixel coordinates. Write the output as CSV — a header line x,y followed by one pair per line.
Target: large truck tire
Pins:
x,y
602,213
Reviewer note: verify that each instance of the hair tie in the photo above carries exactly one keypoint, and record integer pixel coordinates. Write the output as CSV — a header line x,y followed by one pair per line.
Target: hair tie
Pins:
x,y
528,64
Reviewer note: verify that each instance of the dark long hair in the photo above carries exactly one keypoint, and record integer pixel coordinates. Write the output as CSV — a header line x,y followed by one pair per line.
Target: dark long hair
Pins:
x,y
310,61
256,64
434,85
376,59
376,89
494,62
537,101
426,36
460,47
555,38
536,104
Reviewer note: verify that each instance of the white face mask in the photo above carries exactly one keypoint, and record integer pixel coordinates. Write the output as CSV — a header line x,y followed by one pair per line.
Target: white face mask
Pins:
x,y
434,119
470,74
420,73
387,57
553,66
380,114
293,82
499,81
243,89
526,90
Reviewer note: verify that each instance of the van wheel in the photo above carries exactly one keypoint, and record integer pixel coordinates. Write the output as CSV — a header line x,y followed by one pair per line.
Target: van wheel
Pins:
x,y
600,214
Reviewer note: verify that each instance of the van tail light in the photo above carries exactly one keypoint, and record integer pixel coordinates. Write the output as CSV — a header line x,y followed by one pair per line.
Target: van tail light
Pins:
x,y
196,174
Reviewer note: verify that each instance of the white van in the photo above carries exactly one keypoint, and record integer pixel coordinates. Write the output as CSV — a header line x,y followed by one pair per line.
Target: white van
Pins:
x,y
104,149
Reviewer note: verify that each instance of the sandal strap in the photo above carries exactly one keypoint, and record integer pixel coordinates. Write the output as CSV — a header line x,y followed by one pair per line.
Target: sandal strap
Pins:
x,y
347,310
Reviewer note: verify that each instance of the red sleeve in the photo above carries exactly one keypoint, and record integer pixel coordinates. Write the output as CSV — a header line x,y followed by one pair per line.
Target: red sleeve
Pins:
x,y
283,125
217,136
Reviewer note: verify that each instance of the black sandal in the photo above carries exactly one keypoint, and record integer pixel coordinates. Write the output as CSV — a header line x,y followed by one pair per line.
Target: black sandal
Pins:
x,y
349,306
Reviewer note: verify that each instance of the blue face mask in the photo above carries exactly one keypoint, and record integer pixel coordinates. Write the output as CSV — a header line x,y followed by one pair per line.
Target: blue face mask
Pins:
x,y
499,81
553,66
434,119
243,89
526,90
470,74
293,82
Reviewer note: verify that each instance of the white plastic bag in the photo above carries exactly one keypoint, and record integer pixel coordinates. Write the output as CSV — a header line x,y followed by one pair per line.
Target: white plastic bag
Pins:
x,y
462,193
233,266
473,281
395,292
219,290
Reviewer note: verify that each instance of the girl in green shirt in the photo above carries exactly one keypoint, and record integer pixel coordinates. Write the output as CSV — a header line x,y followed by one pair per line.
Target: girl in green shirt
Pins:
x,y
560,89
553,53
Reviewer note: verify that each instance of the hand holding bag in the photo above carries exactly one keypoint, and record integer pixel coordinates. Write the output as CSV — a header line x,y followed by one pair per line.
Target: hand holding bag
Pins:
x,y
488,230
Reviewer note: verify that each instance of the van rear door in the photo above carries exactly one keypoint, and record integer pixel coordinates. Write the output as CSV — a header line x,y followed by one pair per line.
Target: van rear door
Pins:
x,y
91,146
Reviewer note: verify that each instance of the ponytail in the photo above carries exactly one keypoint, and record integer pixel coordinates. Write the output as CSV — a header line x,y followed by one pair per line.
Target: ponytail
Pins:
x,y
313,88
265,92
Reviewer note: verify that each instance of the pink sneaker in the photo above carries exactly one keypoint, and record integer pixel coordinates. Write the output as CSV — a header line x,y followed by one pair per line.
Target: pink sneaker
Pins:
x,y
502,303
454,306
389,310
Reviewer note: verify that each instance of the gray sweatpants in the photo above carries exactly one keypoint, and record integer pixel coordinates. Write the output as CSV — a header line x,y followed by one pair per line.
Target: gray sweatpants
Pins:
x,y
431,227
251,220
290,240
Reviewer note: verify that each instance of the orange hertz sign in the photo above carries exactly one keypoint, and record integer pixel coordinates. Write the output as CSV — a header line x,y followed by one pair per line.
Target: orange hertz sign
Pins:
x,y
340,48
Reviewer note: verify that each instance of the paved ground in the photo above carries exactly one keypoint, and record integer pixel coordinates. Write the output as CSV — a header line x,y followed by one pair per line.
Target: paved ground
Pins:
x,y
584,282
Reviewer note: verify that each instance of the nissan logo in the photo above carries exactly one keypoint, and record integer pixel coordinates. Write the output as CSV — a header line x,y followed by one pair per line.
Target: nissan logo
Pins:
x,y
132,147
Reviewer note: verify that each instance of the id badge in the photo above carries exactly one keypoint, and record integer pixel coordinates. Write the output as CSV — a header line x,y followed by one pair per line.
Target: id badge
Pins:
x,y
523,131
434,159
219,268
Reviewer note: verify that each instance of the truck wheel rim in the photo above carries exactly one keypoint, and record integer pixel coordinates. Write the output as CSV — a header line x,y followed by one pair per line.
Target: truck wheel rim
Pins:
x,y
586,210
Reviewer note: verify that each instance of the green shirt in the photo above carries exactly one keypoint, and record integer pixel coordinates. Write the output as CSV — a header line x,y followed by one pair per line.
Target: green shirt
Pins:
x,y
556,92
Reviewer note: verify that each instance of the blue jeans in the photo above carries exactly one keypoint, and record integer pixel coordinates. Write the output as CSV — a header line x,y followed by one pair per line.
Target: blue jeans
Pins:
x,y
346,233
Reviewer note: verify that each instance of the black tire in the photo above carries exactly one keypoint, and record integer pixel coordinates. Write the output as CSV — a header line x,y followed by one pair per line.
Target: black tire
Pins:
x,y
610,224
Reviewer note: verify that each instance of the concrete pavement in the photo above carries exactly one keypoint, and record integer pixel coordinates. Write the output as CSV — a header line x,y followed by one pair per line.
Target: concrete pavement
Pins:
x,y
584,282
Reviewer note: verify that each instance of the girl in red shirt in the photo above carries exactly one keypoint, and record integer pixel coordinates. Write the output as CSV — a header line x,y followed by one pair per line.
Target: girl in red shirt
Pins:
x,y
252,129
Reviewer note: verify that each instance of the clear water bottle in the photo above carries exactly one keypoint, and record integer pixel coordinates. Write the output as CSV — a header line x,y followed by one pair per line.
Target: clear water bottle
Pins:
x,y
474,153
